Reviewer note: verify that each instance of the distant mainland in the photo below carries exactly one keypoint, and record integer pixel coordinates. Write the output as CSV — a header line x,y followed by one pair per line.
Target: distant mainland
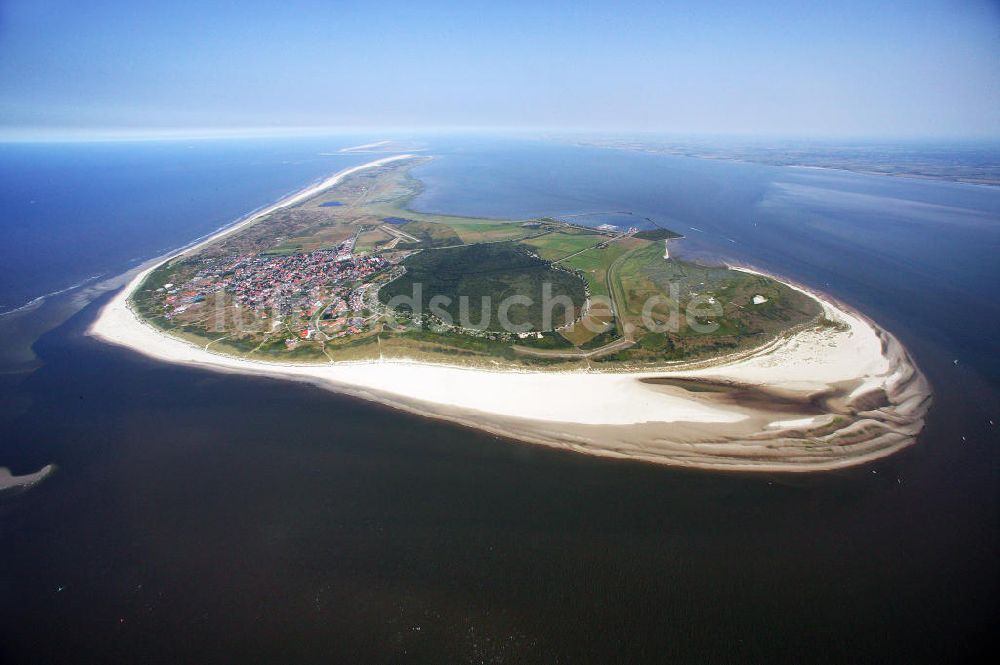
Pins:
x,y
968,162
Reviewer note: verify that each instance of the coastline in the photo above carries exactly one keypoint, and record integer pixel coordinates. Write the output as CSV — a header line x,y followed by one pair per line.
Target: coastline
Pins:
x,y
873,396
946,179
291,199
9,481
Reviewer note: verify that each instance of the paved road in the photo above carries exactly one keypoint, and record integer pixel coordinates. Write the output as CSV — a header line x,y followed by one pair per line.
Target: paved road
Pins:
x,y
613,347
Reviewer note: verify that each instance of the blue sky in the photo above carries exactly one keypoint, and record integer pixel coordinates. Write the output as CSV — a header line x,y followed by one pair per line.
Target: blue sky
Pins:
x,y
888,69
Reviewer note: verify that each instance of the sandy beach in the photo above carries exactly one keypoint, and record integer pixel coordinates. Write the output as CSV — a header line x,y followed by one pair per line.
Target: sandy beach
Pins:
x,y
365,146
8,481
822,398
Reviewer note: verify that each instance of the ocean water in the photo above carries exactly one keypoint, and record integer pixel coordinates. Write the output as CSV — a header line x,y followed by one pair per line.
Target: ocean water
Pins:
x,y
198,517
907,249
77,212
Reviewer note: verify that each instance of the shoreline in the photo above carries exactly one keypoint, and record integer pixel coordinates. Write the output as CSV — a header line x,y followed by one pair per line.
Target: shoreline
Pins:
x,y
291,199
239,222
954,180
873,395
9,481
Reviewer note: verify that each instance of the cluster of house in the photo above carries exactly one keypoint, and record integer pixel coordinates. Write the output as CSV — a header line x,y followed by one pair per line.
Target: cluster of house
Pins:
x,y
286,284
611,228
179,299
283,285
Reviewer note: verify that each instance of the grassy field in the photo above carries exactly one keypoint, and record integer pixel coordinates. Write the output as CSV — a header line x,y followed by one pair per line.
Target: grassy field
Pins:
x,y
644,274
594,264
657,234
599,320
560,244
323,236
490,231
371,240
430,235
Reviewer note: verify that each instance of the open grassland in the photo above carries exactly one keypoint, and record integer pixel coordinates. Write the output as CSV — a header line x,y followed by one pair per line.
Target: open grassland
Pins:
x,y
323,235
431,235
372,240
643,276
396,208
595,263
562,243
598,320
490,231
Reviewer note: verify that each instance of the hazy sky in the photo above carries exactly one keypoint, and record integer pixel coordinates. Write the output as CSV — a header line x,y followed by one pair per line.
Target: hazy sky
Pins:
x,y
922,68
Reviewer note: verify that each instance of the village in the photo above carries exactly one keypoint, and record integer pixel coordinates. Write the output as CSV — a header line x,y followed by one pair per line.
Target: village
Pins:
x,y
319,294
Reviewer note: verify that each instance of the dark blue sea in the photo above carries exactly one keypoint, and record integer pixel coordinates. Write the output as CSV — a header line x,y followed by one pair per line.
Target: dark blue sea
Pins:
x,y
199,517
78,212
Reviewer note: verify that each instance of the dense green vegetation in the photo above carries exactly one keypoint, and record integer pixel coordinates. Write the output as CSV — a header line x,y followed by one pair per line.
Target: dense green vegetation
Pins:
x,y
657,234
548,340
495,271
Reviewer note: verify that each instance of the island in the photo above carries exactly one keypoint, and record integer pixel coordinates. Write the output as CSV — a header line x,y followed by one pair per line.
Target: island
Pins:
x,y
592,339
10,482
970,162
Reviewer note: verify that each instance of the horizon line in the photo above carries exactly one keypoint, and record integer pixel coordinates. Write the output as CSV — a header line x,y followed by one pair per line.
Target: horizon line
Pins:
x,y
149,134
